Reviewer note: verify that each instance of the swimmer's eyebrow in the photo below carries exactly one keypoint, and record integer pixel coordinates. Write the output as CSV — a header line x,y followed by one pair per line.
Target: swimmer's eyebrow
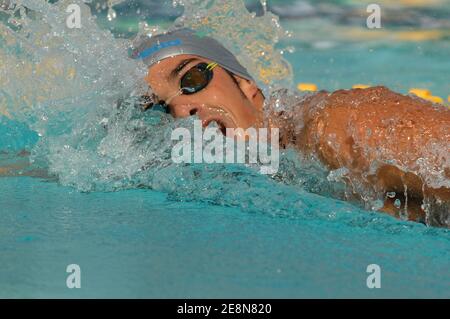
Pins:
x,y
180,68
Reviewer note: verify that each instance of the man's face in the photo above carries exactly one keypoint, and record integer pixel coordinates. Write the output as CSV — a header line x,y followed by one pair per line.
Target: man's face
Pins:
x,y
230,101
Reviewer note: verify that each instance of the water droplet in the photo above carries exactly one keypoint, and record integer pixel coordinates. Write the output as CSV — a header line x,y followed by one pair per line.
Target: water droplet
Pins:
x,y
14,22
391,194
377,205
111,14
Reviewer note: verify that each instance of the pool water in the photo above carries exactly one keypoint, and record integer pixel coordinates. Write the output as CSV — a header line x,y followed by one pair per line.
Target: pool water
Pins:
x,y
139,243
213,232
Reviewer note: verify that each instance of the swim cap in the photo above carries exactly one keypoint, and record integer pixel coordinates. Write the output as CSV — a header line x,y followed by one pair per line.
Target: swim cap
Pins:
x,y
185,41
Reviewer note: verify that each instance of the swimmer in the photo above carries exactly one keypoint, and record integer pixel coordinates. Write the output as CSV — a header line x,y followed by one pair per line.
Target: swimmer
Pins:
x,y
383,138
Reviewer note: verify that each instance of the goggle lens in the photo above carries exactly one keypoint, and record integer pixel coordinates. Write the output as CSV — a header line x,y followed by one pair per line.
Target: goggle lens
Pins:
x,y
196,79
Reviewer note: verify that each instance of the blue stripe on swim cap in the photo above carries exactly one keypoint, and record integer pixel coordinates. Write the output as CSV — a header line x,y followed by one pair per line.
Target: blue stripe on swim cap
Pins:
x,y
149,51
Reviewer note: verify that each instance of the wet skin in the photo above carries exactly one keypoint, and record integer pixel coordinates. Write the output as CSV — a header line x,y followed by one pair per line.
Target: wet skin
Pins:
x,y
337,132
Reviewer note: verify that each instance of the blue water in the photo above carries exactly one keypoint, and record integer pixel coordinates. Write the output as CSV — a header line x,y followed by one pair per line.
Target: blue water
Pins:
x,y
138,243
226,234
399,66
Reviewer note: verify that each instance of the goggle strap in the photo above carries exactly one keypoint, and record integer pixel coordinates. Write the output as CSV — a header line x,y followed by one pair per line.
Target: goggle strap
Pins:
x,y
211,66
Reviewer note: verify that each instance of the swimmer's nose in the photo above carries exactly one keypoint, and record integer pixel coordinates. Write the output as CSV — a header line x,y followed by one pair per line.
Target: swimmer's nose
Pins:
x,y
193,111
185,110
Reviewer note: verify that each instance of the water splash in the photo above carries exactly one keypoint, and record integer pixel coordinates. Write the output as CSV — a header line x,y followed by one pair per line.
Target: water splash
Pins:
x,y
251,38
52,76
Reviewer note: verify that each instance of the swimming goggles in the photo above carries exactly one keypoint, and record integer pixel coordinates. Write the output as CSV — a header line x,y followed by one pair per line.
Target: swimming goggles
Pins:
x,y
193,81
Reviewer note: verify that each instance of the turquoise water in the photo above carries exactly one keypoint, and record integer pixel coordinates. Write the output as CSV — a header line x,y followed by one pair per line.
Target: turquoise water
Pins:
x,y
139,243
400,66
226,232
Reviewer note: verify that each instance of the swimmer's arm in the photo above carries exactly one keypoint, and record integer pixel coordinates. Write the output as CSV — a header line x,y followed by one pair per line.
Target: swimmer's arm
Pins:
x,y
357,128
